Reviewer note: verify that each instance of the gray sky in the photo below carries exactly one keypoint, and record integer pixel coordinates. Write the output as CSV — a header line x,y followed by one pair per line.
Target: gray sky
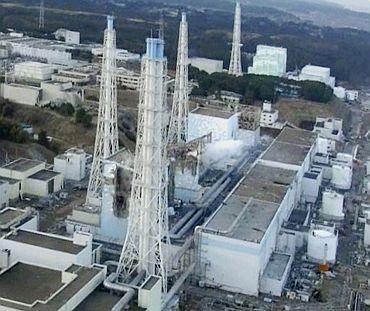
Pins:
x,y
358,5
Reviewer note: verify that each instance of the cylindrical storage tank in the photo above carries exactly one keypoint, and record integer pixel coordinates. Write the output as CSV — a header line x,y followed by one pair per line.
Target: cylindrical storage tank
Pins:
x,y
332,205
322,245
342,177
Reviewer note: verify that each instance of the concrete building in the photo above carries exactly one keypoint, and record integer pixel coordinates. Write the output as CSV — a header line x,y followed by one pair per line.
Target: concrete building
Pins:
x,y
269,60
311,183
21,94
77,76
269,116
71,37
245,228
60,272
317,73
222,124
329,128
231,98
110,222
33,71
122,55
332,205
54,91
126,78
30,177
4,194
206,64
72,164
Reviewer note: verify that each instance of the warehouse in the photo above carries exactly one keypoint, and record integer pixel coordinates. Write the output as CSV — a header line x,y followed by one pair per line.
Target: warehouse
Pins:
x,y
245,227
317,73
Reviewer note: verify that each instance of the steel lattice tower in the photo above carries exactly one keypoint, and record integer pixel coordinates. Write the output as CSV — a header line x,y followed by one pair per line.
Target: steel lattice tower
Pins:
x,y
147,232
235,59
178,131
42,15
106,140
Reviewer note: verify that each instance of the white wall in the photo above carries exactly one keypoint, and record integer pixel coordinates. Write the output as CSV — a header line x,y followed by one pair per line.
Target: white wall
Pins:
x,y
4,194
43,256
231,264
222,129
22,94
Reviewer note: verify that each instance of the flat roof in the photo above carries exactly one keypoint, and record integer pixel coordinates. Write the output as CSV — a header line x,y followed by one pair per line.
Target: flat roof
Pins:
x,y
99,300
297,136
8,215
286,153
44,175
244,218
276,266
248,211
22,164
45,241
213,112
10,180
25,283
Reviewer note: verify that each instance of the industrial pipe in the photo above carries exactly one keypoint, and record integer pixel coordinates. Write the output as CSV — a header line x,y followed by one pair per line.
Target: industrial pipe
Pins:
x,y
177,285
128,289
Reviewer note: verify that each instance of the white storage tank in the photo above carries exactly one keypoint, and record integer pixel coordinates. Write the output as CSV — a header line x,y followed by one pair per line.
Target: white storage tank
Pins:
x,y
322,244
332,205
342,177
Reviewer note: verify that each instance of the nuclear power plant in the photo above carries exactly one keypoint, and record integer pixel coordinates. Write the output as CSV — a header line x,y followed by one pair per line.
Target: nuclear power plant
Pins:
x,y
218,197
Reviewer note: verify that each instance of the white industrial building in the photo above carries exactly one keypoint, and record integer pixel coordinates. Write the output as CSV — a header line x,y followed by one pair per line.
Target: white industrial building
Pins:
x,y
72,164
269,60
4,193
231,98
110,223
71,37
30,177
21,93
269,116
206,64
33,71
245,228
332,205
77,76
311,183
126,78
317,73
60,272
121,54
331,128
53,91
222,124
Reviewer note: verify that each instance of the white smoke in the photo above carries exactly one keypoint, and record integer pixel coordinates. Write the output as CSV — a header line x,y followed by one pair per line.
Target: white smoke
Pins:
x,y
221,154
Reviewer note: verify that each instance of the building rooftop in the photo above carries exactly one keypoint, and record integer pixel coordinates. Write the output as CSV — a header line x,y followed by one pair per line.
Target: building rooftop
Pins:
x,y
46,241
8,215
243,218
249,210
11,181
286,153
296,137
213,112
46,287
44,175
276,266
22,165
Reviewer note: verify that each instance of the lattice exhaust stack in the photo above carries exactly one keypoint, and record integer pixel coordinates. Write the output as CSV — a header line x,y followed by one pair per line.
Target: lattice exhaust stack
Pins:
x,y
180,107
147,233
106,140
235,60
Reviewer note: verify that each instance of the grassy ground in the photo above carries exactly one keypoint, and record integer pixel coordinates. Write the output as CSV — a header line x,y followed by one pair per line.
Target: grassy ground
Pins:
x,y
298,110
